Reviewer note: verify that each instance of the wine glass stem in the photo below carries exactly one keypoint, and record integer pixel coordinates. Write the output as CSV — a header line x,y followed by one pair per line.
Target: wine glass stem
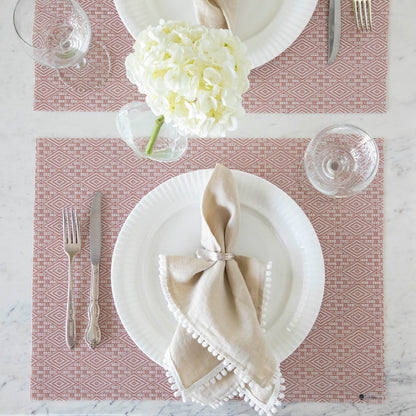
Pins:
x,y
334,165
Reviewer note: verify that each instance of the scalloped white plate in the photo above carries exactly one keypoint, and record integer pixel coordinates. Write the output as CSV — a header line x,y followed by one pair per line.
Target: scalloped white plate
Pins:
x,y
267,29
167,221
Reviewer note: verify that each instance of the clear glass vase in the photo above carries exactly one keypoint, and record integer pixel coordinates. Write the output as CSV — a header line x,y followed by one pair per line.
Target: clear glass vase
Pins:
x,y
135,123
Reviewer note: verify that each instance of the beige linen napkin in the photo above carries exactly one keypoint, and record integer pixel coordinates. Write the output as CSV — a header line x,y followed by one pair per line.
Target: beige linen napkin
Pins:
x,y
219,350
219,14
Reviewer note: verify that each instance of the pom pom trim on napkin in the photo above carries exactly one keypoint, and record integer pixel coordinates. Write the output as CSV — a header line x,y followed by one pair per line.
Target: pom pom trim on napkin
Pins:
x,y
239,388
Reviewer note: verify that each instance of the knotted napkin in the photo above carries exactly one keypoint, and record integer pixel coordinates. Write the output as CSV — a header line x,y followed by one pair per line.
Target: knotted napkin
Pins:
x,y
219,14
218,298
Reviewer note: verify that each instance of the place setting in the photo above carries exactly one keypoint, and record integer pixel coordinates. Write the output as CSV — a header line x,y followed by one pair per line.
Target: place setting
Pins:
x,y
202,267
287,47
150,210
72,246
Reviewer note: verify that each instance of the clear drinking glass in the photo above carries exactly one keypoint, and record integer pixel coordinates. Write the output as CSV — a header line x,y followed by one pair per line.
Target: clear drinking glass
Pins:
x,y
135,123
341,160
57,33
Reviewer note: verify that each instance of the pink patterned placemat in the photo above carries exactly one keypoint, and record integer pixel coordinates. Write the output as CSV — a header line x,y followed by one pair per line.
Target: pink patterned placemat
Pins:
x,y
297,81
340,360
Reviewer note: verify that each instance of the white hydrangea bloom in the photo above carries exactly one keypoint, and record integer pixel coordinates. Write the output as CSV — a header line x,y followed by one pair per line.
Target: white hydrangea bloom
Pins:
x,y
191,74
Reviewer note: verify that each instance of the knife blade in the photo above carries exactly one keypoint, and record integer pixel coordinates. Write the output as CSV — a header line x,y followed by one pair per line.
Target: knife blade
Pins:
x,y
93,332
334,29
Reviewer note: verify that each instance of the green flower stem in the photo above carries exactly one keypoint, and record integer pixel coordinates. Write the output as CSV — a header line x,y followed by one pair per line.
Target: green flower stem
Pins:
x,y
158,124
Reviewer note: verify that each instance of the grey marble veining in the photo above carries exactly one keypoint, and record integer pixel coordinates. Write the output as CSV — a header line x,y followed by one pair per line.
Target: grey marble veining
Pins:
x,y
19,127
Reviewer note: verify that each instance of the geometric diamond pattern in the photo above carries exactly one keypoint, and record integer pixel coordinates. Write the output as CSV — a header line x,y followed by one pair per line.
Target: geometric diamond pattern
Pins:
x,y
341,358
300,80
297,81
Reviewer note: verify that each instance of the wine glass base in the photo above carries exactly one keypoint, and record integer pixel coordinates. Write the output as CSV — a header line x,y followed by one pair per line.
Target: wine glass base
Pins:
x,y
341,161
91,73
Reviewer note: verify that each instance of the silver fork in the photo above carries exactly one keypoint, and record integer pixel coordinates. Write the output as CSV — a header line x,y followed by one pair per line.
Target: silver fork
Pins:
x,y
362,13
72,246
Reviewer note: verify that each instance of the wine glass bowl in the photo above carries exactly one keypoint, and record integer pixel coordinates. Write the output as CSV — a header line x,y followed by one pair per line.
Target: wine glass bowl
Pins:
x,y
57,34
341,160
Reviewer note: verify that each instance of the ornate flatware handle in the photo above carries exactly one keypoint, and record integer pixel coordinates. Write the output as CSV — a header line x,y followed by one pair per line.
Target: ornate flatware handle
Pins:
x,y
93,332
70,330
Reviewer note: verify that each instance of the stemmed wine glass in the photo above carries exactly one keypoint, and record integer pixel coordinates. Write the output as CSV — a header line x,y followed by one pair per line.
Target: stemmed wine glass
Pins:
x,y
57,33
341,160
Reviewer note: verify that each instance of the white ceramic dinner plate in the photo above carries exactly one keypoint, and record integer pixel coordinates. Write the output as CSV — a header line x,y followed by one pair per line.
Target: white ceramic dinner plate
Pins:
x,y
267,27
167,221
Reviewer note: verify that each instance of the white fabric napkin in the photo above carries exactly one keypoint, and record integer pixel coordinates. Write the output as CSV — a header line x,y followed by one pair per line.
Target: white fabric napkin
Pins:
x,y
218,298
219,14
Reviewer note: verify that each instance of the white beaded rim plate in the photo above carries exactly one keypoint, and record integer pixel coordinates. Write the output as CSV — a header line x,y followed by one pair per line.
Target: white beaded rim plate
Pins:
x,y
266,30
167,221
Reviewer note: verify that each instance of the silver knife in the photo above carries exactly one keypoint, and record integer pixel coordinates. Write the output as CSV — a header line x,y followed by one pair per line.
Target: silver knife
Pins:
x,y
334,29
93,332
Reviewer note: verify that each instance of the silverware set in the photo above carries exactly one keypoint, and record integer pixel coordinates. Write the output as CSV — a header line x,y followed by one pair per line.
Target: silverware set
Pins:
x,y
363,21
72,246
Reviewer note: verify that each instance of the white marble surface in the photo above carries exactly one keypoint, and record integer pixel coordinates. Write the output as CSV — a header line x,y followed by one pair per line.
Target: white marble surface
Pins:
x,y
19,127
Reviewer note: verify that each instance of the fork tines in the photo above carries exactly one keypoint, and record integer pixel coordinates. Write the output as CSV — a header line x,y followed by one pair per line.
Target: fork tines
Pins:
x,y
362,13
70,226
